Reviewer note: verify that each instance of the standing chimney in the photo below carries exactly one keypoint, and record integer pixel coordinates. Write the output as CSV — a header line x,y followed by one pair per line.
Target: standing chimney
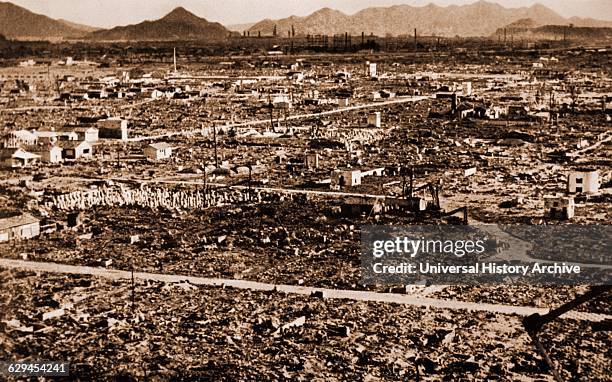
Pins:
x,y
174,60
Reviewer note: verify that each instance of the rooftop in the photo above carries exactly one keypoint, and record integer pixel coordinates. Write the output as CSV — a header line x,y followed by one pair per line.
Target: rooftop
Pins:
x,y
160,146
16,221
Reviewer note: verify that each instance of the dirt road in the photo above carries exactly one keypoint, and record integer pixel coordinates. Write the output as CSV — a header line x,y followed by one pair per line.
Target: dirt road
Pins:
x,y
293,289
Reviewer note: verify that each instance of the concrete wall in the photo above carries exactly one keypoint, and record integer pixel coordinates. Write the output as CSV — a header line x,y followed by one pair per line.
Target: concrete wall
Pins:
x,y
586,182
157,154
559,207
113,129
22,232
52,155
374,119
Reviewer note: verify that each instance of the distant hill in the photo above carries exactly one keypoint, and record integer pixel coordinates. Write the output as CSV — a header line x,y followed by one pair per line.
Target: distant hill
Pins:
x,y
240,27
599,9
589,23
521,24
552,32
530,30
179,24
19,23
478,19
80,27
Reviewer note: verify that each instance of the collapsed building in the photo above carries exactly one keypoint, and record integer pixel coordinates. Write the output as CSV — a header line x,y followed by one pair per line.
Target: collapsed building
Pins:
x,y
583,181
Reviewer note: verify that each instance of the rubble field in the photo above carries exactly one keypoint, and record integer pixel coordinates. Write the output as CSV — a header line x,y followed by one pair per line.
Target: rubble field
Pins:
x,y
178,331
246,243
264,168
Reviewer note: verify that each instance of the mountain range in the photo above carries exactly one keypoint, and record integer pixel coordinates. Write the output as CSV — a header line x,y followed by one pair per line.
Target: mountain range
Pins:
x,y
20,24
478,19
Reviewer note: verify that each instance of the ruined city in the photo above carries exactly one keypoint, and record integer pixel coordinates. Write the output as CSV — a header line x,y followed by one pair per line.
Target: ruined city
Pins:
x,y
184,201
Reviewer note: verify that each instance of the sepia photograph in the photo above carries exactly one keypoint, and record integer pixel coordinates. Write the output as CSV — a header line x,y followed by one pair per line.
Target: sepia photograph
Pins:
x,y
306,190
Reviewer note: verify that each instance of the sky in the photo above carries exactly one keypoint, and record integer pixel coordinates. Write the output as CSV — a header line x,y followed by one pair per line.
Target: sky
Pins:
x,y
110,13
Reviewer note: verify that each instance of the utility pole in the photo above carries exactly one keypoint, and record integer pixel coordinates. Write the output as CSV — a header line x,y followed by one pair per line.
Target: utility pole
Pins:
x,y
133,284
271,111
205,176
215,143
286,111
552,100
410,192
250,178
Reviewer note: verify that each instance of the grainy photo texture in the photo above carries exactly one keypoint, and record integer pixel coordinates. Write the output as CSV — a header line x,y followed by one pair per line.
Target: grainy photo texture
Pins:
x,y
305,190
